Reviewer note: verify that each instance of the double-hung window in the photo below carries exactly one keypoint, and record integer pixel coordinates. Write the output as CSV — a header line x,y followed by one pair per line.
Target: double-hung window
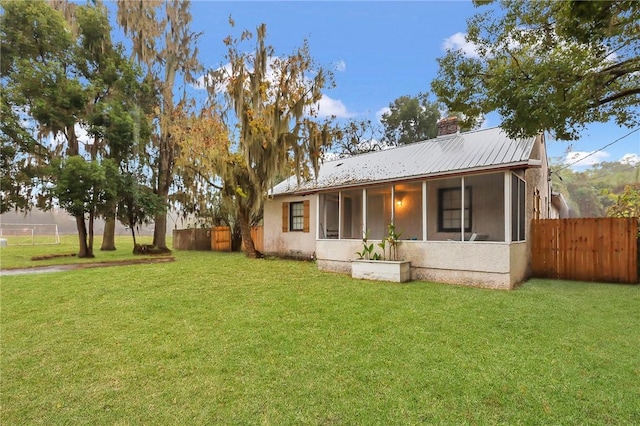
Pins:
x,y
296,216
450,209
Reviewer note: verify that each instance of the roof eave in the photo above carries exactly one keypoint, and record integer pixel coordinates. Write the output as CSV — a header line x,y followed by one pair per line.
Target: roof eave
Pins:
x,y
451,173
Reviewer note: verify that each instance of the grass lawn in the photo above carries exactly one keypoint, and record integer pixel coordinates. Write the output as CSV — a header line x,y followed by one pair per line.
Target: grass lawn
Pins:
x,y
216,338
19,256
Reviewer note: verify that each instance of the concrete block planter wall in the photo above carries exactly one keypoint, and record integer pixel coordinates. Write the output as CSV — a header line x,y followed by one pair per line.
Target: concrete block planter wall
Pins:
x,y
381,270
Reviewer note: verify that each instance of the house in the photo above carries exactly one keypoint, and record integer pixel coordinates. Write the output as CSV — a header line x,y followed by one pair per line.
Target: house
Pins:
x,y
463,203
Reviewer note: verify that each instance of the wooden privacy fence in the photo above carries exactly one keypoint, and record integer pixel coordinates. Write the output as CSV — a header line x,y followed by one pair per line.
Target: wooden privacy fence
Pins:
x,y
595,249
221,238
191,239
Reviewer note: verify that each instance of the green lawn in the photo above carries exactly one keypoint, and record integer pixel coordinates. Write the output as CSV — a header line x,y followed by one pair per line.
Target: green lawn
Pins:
x,y
216,338
20,256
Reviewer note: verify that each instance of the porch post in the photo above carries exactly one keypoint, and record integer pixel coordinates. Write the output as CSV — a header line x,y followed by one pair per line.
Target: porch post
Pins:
x,y
462,212
364,212
424,211
393,204
507,206
340,210
324,221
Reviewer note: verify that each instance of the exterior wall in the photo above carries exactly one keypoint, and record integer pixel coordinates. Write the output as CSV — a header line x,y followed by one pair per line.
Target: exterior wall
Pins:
x,y
293,243
479,264
492,264
537,179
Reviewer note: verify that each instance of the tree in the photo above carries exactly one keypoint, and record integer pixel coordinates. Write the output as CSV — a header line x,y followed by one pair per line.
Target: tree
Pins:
x,y
357,137
547,66
43,80
81,188
591,192
164,43
137,204
410,119
626,204
60,73
271,101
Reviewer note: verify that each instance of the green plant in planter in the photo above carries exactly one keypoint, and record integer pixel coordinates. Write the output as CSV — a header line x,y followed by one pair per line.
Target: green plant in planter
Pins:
x,y
383,245
393,239
367,249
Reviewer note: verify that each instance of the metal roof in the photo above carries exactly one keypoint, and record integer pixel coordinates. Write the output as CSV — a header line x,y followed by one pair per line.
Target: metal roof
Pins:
x,y
455,153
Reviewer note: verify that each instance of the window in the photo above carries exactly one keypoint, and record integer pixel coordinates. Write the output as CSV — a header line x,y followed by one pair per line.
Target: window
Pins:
x,y
450,209
296,216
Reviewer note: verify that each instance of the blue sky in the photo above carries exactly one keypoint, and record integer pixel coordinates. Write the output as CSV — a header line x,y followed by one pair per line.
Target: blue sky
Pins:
x,y
378,51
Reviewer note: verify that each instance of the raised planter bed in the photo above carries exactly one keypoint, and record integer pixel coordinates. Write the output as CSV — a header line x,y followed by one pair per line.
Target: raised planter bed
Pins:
x,y
381,270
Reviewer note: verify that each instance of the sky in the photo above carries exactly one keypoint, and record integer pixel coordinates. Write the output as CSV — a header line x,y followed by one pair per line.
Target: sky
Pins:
x,y
379,51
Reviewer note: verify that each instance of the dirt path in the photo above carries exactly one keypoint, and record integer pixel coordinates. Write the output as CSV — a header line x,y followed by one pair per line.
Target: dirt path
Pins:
x,y
61,268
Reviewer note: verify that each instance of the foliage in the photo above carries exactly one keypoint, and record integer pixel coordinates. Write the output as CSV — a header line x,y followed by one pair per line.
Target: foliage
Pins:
x,y
164,43
62,72
367,252
626,204
393,238
589,192
357,137
547,66
137,203
82,186
265,107
316,348
390,241
410,119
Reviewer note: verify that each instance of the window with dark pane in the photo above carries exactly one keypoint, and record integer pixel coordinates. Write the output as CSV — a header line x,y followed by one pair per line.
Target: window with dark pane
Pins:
x,y
296,216
450,209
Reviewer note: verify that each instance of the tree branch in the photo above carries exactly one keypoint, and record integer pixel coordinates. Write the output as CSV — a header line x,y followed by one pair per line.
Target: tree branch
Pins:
x,y
206,179
615,97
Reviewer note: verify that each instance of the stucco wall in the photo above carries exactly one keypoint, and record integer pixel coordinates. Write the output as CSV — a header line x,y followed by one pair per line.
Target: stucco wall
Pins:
x,y
479,264
537,178
294,243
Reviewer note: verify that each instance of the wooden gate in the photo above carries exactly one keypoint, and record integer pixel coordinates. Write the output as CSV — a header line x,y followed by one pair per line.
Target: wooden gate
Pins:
x,y
594,249
221,238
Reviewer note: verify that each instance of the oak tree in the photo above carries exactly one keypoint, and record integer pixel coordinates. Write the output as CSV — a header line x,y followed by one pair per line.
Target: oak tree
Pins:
x,y
547,65
410,119
165,45
266,108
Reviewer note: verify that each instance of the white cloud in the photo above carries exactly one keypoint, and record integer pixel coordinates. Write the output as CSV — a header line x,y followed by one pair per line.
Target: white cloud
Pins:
x,y
458,41
579,159
630,159
341,66
328,106
382,111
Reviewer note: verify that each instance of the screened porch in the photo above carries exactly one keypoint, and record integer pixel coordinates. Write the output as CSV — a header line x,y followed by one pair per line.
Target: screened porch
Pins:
x,y
481,207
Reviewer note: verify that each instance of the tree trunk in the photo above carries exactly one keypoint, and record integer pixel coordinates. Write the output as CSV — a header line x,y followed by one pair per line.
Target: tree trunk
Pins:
x,y
236,237
109,233
83,250
245,229
90,231
164,182
160,232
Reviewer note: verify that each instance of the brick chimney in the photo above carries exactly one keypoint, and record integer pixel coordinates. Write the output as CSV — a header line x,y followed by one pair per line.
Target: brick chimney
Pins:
x,y
447,126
